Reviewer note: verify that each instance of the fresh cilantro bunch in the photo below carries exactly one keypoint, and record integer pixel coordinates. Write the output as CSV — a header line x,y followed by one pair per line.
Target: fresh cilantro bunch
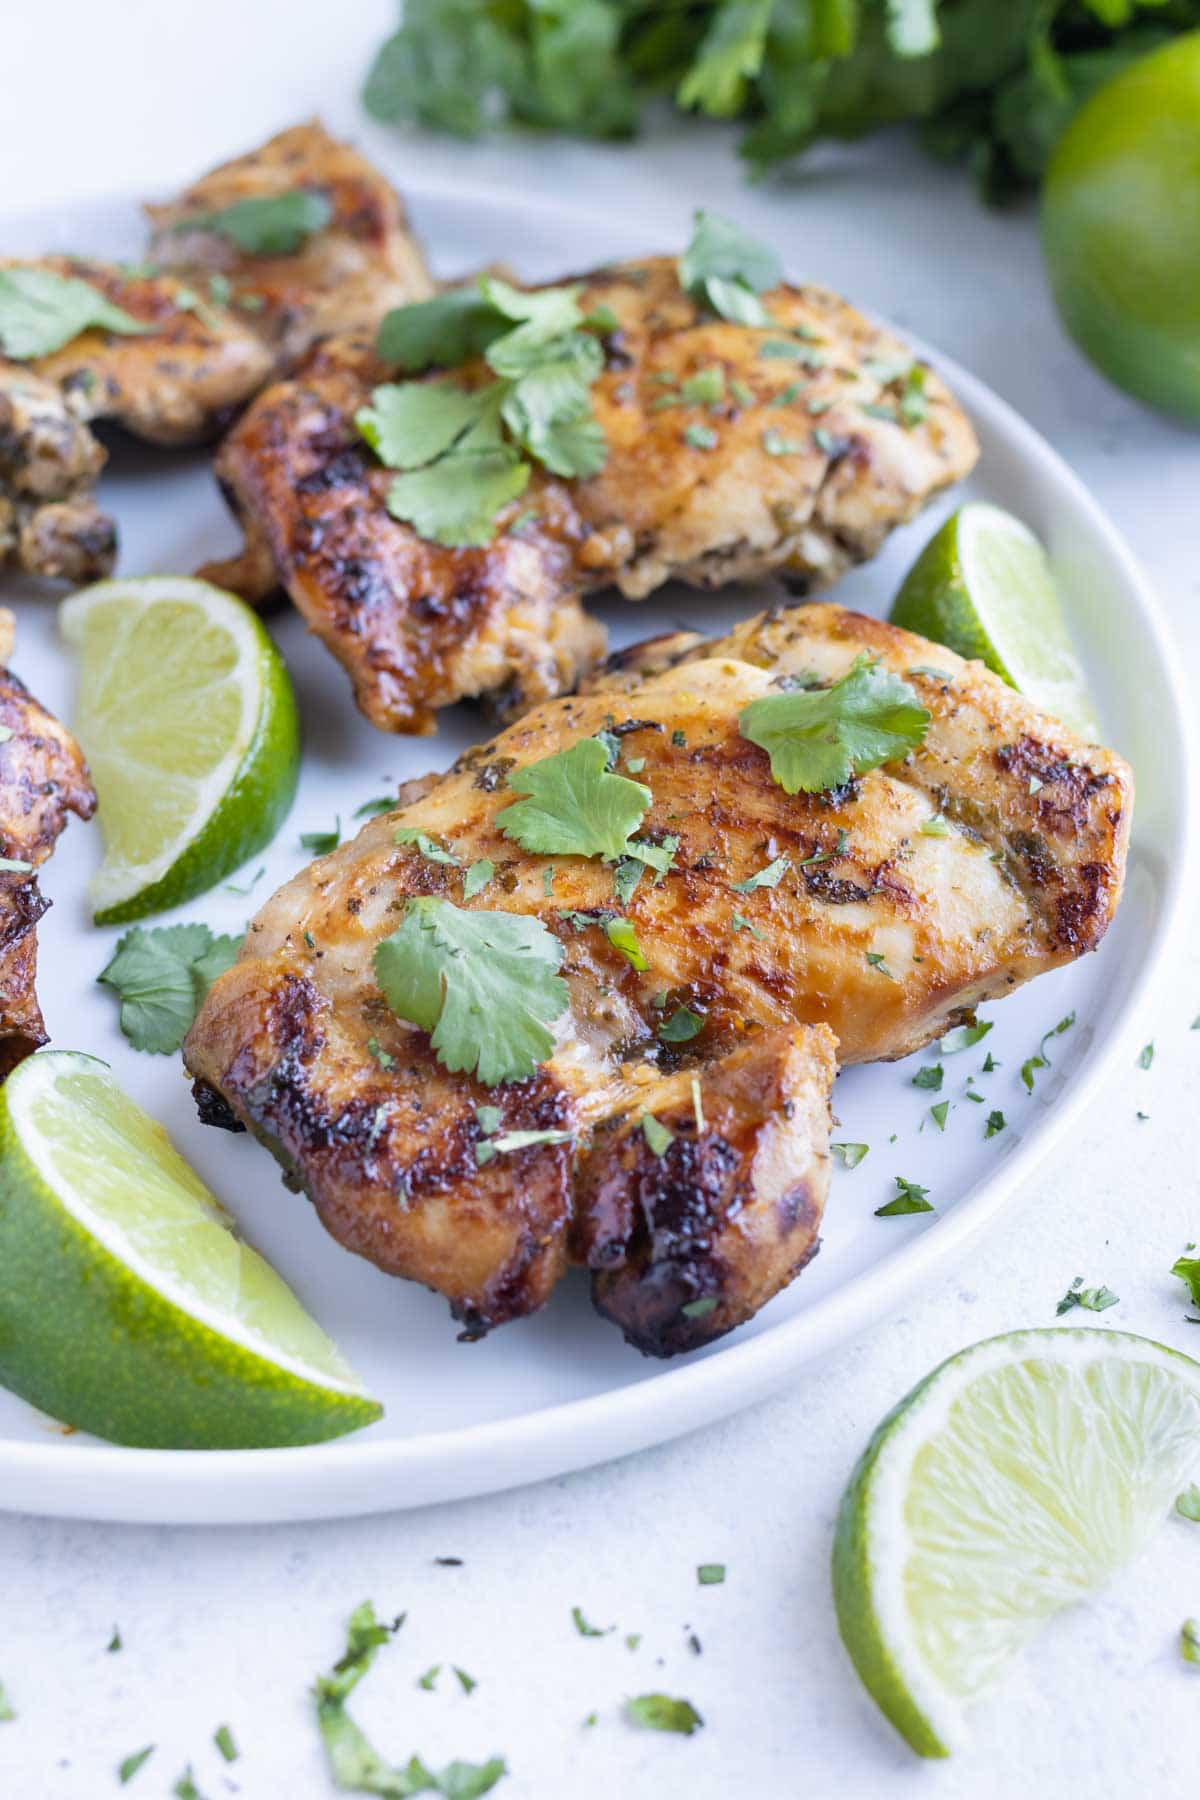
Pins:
x,y
989,82
466,452
817,738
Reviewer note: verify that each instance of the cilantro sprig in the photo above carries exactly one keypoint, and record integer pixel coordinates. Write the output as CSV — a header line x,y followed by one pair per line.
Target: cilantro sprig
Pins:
x,y
484,984
162,976
817,738
465,453
41,311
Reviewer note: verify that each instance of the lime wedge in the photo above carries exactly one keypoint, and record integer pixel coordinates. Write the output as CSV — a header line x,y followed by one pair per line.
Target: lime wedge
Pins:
x,y
1013,1481
983,587
188,721
128,1307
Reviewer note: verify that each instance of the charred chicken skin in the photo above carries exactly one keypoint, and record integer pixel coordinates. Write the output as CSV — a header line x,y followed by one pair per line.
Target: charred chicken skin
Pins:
x,y
42,778
870,940
801,468
221,323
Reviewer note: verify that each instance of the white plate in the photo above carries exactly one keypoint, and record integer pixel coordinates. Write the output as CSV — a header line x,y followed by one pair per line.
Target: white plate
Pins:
x,y
561,1390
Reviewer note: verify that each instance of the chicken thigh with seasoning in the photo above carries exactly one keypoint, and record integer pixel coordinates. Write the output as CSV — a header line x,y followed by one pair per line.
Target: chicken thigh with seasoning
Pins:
x,y
680,1112
816,437
217,323
43,777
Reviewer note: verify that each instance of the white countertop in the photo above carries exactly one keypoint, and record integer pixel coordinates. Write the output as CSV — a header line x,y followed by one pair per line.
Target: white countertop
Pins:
x,y
232,1625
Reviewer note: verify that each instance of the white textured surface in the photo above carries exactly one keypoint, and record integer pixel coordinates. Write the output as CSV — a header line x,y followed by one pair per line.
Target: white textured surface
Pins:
x,y
232,1625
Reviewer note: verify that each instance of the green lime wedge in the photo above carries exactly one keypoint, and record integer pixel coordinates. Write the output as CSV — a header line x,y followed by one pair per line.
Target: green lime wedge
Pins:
x,y
983,587
188,721
128,1307
1016,1479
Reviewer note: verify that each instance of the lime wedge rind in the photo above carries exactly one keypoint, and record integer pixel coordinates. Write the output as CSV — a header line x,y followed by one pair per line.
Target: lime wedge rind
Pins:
x,y
99,1335
221,797
969,1520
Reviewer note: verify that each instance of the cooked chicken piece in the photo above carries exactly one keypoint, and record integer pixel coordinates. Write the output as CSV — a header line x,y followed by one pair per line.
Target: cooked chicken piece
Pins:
x,y
804,477
49,524
344,278
224,322
42,778
297,1042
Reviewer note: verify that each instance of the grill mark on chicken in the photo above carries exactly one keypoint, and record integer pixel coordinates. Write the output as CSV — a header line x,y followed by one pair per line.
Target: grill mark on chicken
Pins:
x,y
419,626
731,1210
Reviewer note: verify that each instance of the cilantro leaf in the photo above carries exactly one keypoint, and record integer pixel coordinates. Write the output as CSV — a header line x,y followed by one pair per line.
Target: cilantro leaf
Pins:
x,y
681,1027
910,1199
769,877
266,224
354,1763
817,738
574,807
487,1149
128,1767
162,975
1188,1270
428,847
849,1155
727,269
484,984
586,1630
930,1076
455,500
444,331
1187,1504
411,423
41,311
549,413
656,1134
659,1712
621,935
964,1037
1097,1299
477,877
321,843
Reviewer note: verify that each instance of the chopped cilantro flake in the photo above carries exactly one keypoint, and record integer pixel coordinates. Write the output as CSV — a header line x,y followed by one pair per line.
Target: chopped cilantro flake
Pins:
x,y
930,1076
223,1739
586,1630
939,1114
849,1155
1187,1504
710,1574
682,1025
129,1766
656,1135
477,877
995,1123
1145,1056
964,1037
659,1712
910,1199
768,877
1097,1299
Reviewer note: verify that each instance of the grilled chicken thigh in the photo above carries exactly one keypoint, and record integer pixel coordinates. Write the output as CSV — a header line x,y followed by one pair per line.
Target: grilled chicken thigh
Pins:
x,y
222,323
42,778
875,937
343,278
803,467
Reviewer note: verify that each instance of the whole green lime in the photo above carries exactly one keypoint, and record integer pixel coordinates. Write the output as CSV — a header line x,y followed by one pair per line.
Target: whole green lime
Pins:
x,y
1121,228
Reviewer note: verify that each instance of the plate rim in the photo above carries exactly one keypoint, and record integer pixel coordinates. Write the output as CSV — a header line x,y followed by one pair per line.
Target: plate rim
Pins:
x,y
345,1477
